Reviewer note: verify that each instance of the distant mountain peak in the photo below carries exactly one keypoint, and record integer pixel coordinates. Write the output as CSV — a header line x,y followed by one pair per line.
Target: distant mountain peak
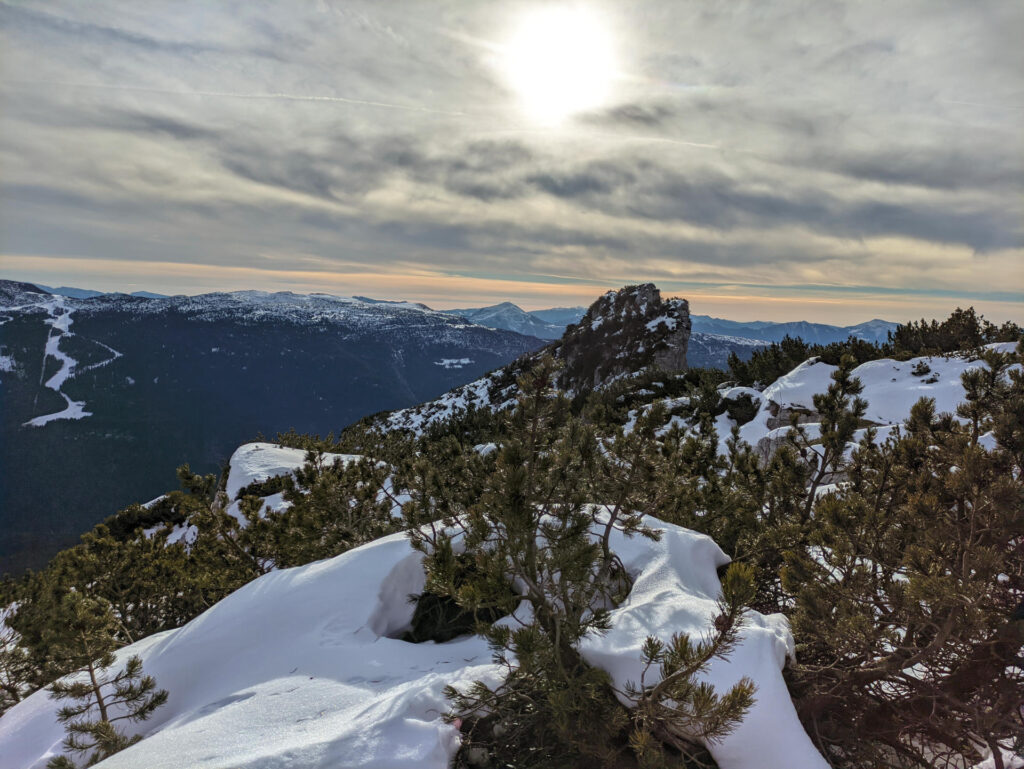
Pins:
x,y
510,317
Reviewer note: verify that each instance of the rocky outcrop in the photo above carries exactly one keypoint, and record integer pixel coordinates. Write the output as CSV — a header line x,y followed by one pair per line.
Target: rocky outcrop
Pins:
x,y
621,334
624,332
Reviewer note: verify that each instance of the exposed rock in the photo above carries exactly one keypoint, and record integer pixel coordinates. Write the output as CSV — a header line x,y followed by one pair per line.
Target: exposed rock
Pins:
x,y
624,332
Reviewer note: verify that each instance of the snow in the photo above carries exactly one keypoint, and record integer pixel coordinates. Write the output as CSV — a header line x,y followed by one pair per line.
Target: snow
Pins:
x,y
60,327
418,418
297,668
257,462
1010,761
798,388
757,428
669,322
890,401
890,389
723,429
450,363
675,591
60,321
6,363
735,393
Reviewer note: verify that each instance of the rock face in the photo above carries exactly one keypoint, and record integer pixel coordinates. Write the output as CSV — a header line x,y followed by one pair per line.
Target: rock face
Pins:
x,y
623,332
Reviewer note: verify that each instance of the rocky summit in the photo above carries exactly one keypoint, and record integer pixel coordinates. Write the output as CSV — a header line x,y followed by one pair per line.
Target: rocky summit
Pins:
x,y
622,332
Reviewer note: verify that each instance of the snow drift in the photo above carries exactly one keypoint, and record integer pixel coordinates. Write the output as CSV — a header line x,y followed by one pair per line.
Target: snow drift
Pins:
x,y
299,669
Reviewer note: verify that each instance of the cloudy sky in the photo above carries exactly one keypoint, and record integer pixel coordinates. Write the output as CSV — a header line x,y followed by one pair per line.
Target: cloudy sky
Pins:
x,y
831,161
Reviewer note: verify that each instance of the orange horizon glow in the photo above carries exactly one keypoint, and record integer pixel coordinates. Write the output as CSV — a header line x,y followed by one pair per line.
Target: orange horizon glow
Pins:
x,y
444,291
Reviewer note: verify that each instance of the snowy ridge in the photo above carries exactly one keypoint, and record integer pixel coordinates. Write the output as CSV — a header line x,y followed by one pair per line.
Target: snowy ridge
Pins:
x,y
891,388
351,314
347,318
251,463
622,334
259,461
302,668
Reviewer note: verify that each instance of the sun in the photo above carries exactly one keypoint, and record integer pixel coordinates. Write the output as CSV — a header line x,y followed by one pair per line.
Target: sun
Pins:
x,y
560,61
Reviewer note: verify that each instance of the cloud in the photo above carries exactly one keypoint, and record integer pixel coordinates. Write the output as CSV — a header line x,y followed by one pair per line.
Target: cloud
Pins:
x,y
798,145
647,115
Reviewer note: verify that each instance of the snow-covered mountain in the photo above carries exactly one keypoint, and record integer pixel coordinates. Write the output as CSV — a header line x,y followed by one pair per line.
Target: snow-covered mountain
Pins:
x,y
812,333
511,317
104,396
891,388
714,338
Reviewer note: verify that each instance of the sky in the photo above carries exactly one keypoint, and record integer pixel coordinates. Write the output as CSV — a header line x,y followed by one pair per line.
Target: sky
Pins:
x,y
775,160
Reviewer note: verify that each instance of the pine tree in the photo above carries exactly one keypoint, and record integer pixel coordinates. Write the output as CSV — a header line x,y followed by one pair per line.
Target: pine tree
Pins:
x,y
532,526
16,667
334,507
908,592
101,699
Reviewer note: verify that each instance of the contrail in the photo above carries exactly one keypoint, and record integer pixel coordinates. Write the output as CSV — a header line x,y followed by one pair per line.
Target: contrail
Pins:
x,y
620,137
990,105
234,95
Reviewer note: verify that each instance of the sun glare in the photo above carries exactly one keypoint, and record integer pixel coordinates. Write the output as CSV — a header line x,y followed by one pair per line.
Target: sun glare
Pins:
x,y
560,61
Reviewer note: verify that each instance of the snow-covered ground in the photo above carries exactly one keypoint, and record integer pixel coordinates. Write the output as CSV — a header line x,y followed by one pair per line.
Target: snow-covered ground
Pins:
x,y
302,668
891,388
417,419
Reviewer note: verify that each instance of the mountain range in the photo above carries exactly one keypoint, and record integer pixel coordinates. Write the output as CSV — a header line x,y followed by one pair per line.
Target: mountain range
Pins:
x,y
514,318
104,396
813,333
549,324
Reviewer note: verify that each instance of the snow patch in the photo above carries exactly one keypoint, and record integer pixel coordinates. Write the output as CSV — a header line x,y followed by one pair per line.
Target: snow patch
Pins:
x,y
450,363
257,462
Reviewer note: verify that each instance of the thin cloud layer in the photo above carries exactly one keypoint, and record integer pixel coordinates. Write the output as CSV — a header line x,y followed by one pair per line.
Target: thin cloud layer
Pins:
x,y
847,154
